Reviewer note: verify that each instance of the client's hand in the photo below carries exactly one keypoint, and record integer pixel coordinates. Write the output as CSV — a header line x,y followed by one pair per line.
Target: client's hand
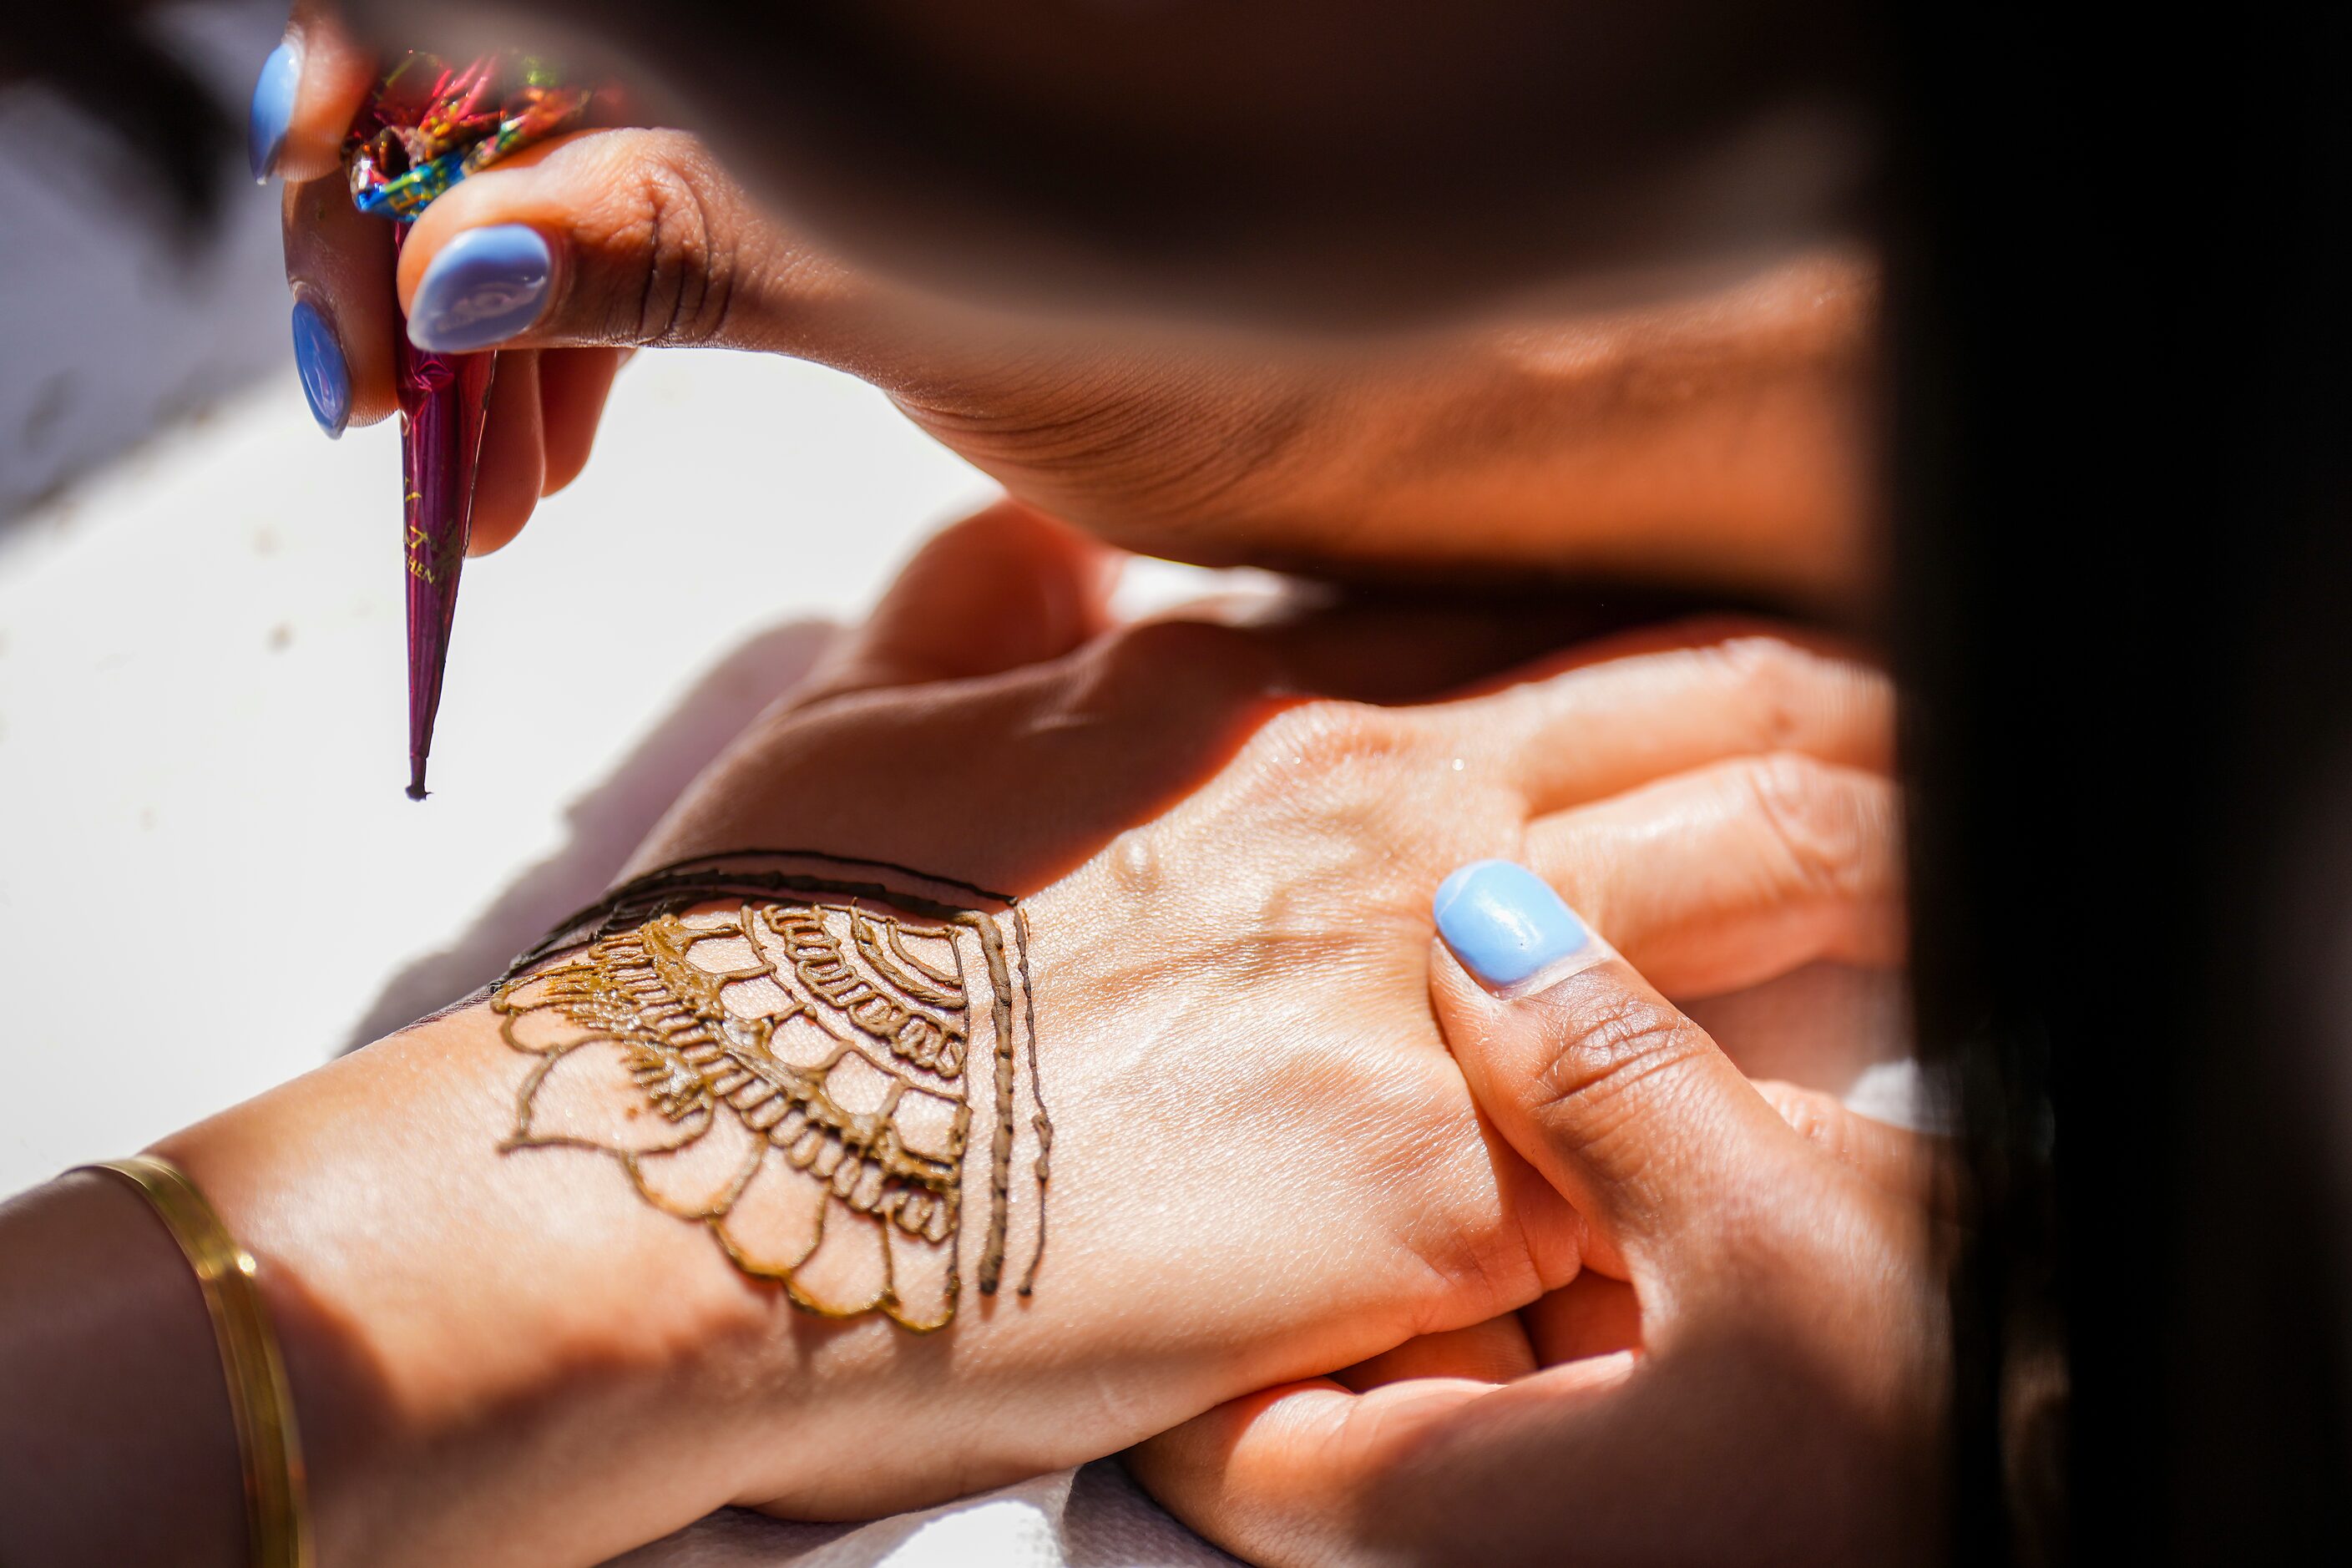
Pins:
x,y
1777,1400
1714,441
1265,1162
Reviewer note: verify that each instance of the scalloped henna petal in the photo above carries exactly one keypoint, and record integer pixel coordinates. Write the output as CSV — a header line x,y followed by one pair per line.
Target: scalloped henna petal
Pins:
x,y
703,1178
775,1226
849,1272
590,1096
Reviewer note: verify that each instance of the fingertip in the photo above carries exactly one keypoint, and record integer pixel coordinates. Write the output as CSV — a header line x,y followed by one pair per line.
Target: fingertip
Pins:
x,y
1004,587
483,288
339,263
514,195
1620,1102
310,91
1073,573
1204,1469
270,113
321,367
1509,929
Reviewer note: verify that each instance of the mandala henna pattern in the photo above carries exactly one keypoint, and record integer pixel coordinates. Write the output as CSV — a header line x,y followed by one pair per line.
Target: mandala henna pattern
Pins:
x,y
788,1058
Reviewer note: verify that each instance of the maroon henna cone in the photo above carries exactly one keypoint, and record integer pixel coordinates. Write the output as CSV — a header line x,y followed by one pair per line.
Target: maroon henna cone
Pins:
x,y
428,125
443,398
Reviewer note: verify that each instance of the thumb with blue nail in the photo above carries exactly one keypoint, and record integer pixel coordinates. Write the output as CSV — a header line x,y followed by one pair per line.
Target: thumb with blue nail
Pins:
x,y
1772,1390
1622,1102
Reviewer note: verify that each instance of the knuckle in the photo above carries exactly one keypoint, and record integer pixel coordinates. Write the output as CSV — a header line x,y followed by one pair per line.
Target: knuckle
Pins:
x,y
1770,675
1816,829
1806,1112
1620,1052
1331,738
684,273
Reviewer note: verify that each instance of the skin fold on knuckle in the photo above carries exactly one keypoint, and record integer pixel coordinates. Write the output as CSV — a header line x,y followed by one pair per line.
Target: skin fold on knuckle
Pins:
x,y
1773,680
1819,831
670,246
1891,1157
1612,1056
1800,698
1344,784
1812,1114
1334,740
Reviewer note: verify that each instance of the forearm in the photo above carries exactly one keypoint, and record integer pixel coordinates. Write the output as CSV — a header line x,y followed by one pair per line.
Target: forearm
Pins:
x,y
1717,445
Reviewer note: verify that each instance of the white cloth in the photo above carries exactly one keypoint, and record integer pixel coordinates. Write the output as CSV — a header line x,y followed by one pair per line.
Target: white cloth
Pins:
x,y
1092,1517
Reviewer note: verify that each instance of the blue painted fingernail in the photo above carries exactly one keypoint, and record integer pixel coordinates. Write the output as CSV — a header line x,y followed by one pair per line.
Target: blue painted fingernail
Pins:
x,y
485,286
318,360
273,109
1505,923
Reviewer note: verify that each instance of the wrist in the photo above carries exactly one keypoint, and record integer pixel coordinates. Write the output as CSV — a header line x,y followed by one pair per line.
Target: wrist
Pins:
x,y
465,1333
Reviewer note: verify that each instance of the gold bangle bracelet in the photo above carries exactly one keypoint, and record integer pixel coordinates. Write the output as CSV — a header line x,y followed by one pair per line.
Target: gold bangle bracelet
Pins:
x,y
261,1404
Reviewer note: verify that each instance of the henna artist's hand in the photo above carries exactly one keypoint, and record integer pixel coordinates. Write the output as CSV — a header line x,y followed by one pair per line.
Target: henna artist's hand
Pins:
x,y
1713,442
1767,1390
1265,1161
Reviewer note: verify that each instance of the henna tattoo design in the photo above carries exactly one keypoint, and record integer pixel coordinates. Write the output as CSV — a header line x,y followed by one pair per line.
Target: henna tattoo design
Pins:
x,y
768,1052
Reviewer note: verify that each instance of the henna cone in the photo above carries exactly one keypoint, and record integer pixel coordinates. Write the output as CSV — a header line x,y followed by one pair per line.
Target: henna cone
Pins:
x,y
442,399
426,127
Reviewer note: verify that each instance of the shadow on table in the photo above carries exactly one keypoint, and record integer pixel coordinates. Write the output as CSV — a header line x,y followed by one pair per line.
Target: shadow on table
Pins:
x,y
606,822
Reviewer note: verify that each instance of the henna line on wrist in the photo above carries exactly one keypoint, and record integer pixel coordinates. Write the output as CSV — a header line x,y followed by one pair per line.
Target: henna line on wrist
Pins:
x,y
1000,1168
1043,1120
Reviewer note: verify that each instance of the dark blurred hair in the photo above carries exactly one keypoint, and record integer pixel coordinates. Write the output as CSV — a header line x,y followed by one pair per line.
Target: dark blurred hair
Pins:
x,y
2125,538
100,57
